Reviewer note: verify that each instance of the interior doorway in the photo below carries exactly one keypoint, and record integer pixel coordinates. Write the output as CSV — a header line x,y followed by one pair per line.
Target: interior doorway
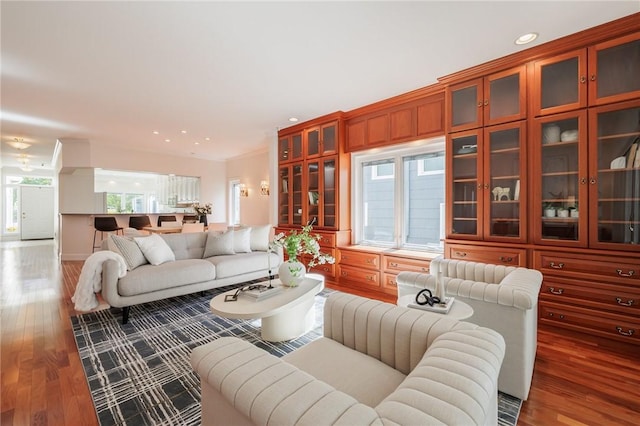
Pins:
x,y
37,212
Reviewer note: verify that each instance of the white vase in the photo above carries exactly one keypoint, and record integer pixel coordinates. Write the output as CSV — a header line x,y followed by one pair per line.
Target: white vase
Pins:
x,y
550,212
291,273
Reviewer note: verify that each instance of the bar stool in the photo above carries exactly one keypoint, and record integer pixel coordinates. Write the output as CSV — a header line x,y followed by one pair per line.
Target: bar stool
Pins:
x,y
102,225
189,218
139,222
166,219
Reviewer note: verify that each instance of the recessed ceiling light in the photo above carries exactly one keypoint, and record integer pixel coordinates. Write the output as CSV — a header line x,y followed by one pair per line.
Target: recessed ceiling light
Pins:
x,y
207,139
197,143
293,119
167,140
155,132
184,132
526,38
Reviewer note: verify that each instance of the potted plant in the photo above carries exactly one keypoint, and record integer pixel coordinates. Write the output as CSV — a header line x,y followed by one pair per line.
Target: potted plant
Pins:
x,y
297,244
549,210
202,211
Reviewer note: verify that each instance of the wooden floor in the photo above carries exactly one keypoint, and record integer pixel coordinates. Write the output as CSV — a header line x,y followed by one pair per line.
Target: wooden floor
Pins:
x,y
575,382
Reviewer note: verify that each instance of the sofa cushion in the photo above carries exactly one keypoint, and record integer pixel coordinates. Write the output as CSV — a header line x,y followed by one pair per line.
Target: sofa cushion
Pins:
x,y
363,377
242,240
149,278
231,265
260,237
218,244
155,249
186,246
129,250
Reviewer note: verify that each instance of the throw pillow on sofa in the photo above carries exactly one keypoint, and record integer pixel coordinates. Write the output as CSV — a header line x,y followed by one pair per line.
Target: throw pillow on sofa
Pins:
x,y
219,243
128,249
242,240
260,237
155,249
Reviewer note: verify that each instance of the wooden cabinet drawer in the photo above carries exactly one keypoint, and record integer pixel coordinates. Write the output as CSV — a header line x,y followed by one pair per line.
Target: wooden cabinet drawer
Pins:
x,y
327,239
600,323
363,277
482,254
399,264
613,269
328,270
360,259
389,284
618,299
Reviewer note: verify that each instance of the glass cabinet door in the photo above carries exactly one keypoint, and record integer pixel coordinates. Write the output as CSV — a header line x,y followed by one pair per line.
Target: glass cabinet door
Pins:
x,y
290,147
313,192
560,83
504,96
284,199
466,106
504,172
296,194
560,165
614,182
465,163
614,70
329,138
328,194
313,142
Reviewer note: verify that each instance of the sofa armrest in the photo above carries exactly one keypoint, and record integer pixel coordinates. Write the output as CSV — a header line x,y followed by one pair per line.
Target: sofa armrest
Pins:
x,y
267,390
110,283
397,336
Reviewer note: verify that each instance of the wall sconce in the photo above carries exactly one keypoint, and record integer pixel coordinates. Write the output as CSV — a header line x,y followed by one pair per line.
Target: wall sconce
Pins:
x,y
244,191
264,187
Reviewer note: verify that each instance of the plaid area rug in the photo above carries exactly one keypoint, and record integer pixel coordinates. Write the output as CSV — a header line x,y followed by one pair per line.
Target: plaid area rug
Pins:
x,y
140,374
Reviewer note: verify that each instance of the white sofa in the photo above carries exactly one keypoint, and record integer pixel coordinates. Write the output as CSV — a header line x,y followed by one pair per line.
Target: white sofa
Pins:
x,y
376,364
197,267
503,298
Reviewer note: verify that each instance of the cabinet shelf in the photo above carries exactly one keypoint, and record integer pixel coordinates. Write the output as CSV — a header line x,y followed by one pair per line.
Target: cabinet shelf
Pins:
x,y
505,220
465,180
506,150
465,202
505,177
569,173
620,222
505,201
559,144
618,135
560,219
466,219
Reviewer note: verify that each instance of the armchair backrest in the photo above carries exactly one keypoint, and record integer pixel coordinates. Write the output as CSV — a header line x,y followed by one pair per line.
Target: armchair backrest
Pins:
x,y
397,336
473,271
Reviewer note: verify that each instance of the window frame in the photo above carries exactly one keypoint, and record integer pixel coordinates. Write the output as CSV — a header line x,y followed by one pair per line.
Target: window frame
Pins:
x,y
398,153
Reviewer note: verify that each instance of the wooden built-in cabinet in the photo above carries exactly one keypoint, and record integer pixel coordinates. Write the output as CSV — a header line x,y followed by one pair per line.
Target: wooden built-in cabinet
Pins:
x,y
494,99
290,147
418,119
499,254
604,73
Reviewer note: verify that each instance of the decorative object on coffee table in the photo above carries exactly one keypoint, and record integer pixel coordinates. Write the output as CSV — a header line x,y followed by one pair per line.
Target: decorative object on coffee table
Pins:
x,y
202,211
296,244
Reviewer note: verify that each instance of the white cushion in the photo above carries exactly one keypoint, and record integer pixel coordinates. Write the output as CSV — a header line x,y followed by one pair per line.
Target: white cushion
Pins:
x,y
218,244
155,249
260,237
128,249
242,240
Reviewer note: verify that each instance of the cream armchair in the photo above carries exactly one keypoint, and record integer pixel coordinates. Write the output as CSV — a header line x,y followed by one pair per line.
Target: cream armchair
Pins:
x,y
503,298
376,364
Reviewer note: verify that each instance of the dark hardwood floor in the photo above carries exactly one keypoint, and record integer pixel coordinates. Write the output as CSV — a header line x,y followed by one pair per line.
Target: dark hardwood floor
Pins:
x,y
576,381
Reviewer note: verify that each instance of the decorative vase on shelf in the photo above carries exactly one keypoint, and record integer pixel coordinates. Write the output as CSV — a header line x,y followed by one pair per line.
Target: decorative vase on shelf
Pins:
x,y
291,273
203,219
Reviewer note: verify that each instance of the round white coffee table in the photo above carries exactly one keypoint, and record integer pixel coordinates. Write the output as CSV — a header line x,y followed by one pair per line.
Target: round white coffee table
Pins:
x,y
286,315
459,310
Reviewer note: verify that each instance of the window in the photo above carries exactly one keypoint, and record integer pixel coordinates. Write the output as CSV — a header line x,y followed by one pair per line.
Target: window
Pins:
x,y
234,202
399,196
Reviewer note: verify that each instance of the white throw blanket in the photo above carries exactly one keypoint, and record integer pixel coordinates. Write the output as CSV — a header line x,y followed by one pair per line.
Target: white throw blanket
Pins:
x,y
90,280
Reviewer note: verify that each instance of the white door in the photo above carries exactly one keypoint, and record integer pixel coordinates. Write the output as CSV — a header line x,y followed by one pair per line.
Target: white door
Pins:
x,y
37,216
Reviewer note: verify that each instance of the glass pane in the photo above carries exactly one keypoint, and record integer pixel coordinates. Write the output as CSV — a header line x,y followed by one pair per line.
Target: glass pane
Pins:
x,y
313,140
464,109
560,180
296,194
465,181
619,177
283,198
504,159
504,96
313,195
424,199
560,83
329,138
619,69
378,194
296,141
283,149
329,193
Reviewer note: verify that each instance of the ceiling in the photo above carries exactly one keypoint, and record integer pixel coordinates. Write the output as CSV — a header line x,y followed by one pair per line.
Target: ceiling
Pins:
x,y
235,72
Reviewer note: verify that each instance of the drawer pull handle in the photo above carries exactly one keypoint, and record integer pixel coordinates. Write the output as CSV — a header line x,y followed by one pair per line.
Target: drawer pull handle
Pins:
x,y
370,278
369,261
627,303
622,274
625,333
553,290
394,264
561,316
506,259
556,266
423,269
344,274
461,253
